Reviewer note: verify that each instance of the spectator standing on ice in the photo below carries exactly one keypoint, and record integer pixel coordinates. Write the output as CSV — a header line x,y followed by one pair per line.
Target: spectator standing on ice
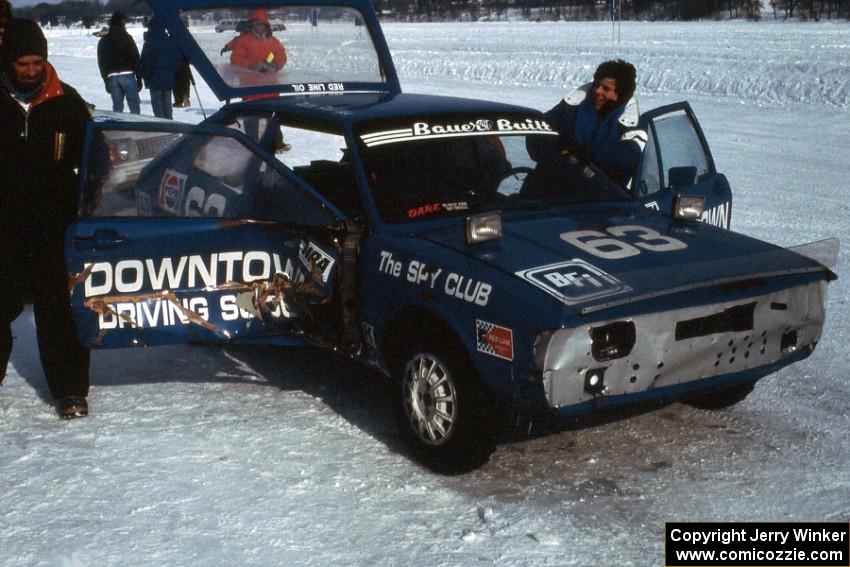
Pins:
x,y
120,65
258,49
160,59
599,122
42,126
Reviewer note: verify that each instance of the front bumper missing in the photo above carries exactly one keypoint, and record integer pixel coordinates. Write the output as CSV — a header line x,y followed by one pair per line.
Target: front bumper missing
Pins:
x,y
782,323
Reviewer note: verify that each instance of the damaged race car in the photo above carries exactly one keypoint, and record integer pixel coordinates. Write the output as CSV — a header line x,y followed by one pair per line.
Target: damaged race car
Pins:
x,y
418,235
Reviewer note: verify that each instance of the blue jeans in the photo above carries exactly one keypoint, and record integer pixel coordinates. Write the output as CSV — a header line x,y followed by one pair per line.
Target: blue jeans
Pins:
x,y
161,103
121,86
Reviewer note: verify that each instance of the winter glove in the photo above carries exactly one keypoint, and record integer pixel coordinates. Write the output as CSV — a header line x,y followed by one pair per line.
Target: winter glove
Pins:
x,y
107,86
139,84
577,152
263,67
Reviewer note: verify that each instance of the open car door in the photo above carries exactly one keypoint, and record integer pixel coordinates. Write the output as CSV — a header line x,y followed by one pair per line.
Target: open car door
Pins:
x,y
192,233
677,160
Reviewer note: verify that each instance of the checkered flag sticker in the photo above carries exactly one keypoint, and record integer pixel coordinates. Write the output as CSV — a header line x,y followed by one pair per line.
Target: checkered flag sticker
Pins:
x,y
494,340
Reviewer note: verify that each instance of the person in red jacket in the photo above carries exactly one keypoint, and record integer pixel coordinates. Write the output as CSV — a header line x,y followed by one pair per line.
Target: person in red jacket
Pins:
x,y
258,49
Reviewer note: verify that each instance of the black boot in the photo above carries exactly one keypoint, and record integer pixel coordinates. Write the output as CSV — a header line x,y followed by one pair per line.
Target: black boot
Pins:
x,y
72,407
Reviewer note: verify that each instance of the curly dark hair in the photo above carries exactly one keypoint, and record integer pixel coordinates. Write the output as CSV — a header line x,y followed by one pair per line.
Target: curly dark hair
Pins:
x,y
621,71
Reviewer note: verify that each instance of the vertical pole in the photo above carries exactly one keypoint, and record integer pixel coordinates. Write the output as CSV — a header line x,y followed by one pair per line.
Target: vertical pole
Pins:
x,y
611,13
619,20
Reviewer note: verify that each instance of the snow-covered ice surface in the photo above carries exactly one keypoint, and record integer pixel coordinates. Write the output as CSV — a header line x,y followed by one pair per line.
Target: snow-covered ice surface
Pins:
x,y
198,455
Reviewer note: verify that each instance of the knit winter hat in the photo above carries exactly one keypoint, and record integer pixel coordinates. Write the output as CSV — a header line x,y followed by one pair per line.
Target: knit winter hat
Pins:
x,y
22,37
259,15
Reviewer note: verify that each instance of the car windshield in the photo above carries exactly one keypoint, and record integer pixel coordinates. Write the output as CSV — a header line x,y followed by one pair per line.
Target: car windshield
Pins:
x,y
445,166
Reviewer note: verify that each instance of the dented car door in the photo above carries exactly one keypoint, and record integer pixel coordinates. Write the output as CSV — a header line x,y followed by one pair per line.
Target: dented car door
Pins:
x,y
195,234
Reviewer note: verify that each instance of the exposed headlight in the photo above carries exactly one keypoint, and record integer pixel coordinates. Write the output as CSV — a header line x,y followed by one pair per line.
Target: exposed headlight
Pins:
x,y
688,207
120,150
612,341
484,227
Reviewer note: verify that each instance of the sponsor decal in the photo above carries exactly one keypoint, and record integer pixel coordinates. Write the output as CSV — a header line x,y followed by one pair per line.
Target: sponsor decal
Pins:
x,y
653,205
421,210
456,206
428,275
432,208
574,281
477,127
318,87
717,216
171,189
183,272
314,257
141,293
494,340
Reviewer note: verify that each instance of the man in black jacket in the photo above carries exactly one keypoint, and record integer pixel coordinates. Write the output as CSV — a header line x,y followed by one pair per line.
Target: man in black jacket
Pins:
x,y
120,65
42,127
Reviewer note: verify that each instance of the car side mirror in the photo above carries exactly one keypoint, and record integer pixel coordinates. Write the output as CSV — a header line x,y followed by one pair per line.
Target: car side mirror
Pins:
x,y
685,176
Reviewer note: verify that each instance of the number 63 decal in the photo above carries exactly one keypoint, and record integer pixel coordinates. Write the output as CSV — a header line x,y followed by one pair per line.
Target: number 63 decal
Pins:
x,y
602,245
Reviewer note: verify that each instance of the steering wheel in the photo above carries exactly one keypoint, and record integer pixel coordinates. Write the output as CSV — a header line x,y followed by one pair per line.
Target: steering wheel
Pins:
x,y
511,182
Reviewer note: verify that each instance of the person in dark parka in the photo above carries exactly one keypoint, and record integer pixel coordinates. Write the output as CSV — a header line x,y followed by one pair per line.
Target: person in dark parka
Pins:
x,y
598,122
120,65
42,124
160,58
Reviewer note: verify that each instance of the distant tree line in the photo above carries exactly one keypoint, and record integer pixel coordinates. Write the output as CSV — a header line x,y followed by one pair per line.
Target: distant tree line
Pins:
x,y
91,12
439,10
87,13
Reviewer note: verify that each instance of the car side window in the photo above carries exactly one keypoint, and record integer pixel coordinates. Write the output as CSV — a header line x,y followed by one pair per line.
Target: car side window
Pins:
x,y
116,160
252,124
157,174
679,144
321,160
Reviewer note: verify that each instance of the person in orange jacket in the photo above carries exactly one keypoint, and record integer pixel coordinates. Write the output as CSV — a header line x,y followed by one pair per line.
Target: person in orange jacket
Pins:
x,y
258,49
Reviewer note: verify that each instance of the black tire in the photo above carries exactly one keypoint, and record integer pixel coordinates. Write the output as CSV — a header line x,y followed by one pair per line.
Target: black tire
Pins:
x,y
721,398
444,413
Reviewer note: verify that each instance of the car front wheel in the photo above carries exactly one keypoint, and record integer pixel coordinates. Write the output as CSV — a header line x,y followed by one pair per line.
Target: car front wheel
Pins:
x,y
444,413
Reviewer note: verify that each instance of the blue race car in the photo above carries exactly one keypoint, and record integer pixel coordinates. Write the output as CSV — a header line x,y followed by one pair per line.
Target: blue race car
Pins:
x,y
417,235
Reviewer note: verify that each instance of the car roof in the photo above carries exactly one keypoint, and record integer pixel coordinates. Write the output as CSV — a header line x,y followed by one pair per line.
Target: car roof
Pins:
x,y
352,109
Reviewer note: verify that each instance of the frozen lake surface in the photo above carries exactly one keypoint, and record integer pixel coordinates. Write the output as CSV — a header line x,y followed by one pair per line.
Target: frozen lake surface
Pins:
x,y
199,455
